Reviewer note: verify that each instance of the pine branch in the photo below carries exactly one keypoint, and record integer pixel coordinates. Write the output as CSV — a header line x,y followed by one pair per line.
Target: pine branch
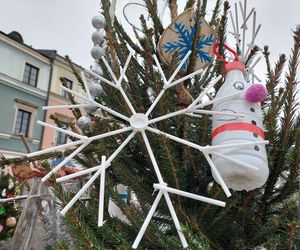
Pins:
x,y
148,44
284,135
203,8
221,215
292,233
77,228
221,37
189,4
119,28
251,55
196,38
272,107
173,9
76,74
216,11
171,164
157,25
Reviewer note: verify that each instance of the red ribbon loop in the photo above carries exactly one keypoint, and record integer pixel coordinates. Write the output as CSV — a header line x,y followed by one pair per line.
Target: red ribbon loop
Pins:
x,y
216,45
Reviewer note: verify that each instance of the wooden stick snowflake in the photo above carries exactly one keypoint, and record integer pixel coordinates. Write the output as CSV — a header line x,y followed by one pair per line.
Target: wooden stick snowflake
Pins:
x,y
240,28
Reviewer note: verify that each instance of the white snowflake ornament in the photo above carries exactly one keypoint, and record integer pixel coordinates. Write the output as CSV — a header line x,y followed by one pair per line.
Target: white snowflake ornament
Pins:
x,y
141,123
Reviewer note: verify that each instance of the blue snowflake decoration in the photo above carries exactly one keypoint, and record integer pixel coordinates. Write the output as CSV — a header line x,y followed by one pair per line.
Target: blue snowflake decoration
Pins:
x,y
185,44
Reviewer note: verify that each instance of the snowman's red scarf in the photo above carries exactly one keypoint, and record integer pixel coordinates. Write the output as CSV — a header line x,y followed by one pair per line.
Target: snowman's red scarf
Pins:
x,y
239,126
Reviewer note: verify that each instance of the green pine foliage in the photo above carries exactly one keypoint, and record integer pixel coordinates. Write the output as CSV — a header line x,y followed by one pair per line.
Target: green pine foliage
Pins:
x,y
7,209
266,216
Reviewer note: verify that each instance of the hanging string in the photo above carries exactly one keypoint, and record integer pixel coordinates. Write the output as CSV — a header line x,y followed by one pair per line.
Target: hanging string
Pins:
x,y
126,18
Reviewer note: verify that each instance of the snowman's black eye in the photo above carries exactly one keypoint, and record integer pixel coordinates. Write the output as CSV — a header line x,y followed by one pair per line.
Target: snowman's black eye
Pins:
x,y
238,85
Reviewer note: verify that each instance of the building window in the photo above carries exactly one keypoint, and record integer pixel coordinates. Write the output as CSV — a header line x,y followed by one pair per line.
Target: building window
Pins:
x,y
62,137
30,76
22,122
24,118
68,84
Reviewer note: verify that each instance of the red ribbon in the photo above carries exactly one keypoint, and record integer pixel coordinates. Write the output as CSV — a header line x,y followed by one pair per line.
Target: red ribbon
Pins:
x,y
238,126
216,45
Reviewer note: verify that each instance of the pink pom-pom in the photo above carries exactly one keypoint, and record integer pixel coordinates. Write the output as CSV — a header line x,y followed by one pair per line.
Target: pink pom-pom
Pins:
x,y
256,93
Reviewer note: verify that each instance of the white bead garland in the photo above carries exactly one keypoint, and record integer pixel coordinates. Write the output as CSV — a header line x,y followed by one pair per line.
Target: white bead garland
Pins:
x,y
98,37
98,21
91,109
95,89
97,52
84,122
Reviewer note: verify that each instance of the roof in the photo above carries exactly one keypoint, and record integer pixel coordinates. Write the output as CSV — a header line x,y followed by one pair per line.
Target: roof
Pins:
x,y
48,53
16,36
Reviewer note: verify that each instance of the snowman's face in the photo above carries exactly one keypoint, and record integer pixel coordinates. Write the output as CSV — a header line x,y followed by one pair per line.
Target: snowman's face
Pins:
x,y
234,83
231,106
238,85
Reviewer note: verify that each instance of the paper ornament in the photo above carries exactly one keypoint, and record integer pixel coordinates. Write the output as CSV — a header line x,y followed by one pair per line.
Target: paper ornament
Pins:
x,y
26,171
179,36
11,221
250,170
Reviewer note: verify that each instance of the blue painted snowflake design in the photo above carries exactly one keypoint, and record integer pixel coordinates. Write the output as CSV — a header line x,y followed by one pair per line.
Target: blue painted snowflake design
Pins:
x,y
185,44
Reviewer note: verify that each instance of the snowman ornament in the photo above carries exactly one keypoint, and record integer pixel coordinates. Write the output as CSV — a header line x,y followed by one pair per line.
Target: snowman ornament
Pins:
x,y
248,128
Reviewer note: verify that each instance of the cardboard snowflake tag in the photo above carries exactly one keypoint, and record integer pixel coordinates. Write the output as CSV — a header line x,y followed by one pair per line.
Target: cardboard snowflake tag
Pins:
x,y
178,38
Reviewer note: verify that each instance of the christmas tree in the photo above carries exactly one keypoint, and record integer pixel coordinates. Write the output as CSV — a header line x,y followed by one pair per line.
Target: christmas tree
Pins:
x,y
9,211
265,216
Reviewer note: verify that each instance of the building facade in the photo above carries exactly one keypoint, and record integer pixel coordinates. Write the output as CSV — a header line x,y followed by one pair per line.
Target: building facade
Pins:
x,y
29,80
24,84
57,96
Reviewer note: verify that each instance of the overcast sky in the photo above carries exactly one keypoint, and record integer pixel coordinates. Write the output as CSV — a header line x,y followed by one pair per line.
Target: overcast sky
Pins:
x,y
64,25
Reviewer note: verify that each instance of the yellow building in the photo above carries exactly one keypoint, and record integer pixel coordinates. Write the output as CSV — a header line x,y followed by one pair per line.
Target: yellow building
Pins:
x,y
61,69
